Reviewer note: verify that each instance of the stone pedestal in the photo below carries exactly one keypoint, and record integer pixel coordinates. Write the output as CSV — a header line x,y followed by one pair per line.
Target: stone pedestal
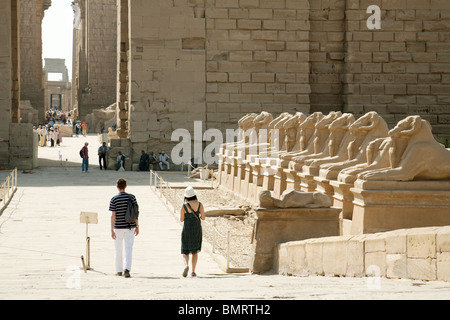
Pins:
x,y
268,174
248,179
219,171
226,168
343,197
232,173
275,225
292,179
308,184
257,181
387,205
240,176
67,131
324,186
280,183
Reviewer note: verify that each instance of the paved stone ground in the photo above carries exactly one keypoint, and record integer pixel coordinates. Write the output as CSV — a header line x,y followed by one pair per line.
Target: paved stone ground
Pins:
x,y
42,240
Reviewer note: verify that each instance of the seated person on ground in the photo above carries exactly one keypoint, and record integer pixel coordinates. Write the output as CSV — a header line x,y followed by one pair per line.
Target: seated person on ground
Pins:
x,y
163,157
120,161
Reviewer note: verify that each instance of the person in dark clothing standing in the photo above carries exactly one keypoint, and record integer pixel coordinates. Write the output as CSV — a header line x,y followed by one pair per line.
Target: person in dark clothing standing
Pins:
x,y
102,151
192,212
144,161
85,156
122,232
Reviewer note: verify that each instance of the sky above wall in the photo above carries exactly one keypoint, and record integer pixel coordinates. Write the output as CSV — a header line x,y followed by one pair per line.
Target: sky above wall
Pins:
x,y
57,32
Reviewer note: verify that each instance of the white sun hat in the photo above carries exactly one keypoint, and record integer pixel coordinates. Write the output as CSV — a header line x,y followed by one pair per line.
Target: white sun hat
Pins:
x,y
189,192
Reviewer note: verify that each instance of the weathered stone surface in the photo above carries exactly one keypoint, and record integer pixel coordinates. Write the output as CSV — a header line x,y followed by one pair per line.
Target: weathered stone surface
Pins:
x,y
329,255
281,225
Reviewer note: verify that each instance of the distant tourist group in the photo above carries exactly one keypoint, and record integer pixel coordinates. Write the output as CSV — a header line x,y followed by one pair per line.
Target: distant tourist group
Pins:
x,y
47,134
146,160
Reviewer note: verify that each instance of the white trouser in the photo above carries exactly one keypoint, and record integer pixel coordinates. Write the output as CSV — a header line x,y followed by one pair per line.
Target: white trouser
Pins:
x,y
166,163
124,237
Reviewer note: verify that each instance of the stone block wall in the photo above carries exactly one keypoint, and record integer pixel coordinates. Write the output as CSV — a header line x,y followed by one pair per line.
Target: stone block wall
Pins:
x,y
31,71
23,146
5,82
217,60
257,58
402,68
168,71
419,254
327,54
96,59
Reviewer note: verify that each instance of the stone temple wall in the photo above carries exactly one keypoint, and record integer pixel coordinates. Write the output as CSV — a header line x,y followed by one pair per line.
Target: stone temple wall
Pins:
x,y
167,71
5,83
258,58
31,71
403,68
217,60
96,56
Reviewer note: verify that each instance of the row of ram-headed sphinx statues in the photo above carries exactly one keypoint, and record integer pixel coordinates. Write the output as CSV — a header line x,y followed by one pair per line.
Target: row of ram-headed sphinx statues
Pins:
x,y
336,146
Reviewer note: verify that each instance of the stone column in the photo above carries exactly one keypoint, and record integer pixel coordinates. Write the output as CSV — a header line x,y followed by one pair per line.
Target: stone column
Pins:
x,y
31,73
123,47
15,61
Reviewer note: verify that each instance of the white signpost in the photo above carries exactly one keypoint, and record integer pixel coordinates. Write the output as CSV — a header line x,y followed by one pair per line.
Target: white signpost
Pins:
x,y
88,218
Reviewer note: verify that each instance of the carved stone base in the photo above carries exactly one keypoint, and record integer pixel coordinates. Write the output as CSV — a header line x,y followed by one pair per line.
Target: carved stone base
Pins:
x,y
292,180
219,171
308,184
268,177
256,186
343,197
240,176
323,185
275,225
280,183
248,179
224,173
387,205
232,172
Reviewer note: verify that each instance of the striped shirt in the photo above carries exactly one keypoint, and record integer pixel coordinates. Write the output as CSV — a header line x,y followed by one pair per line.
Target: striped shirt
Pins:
x,y
119,204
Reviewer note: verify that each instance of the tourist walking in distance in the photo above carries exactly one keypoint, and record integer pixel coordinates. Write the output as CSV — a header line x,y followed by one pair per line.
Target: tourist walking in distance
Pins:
x,y
59,140
191,215
84,153
122,232
77,128
84,128
53,137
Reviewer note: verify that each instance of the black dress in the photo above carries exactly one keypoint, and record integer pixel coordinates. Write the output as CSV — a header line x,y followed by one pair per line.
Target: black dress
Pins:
x,y
191,236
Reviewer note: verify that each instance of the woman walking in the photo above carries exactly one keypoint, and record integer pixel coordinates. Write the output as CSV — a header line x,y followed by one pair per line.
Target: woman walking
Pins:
x,y
191,215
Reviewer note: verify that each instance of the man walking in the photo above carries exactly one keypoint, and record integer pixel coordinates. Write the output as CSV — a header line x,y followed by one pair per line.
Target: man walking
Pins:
x,y
85,155
102,151
122,232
